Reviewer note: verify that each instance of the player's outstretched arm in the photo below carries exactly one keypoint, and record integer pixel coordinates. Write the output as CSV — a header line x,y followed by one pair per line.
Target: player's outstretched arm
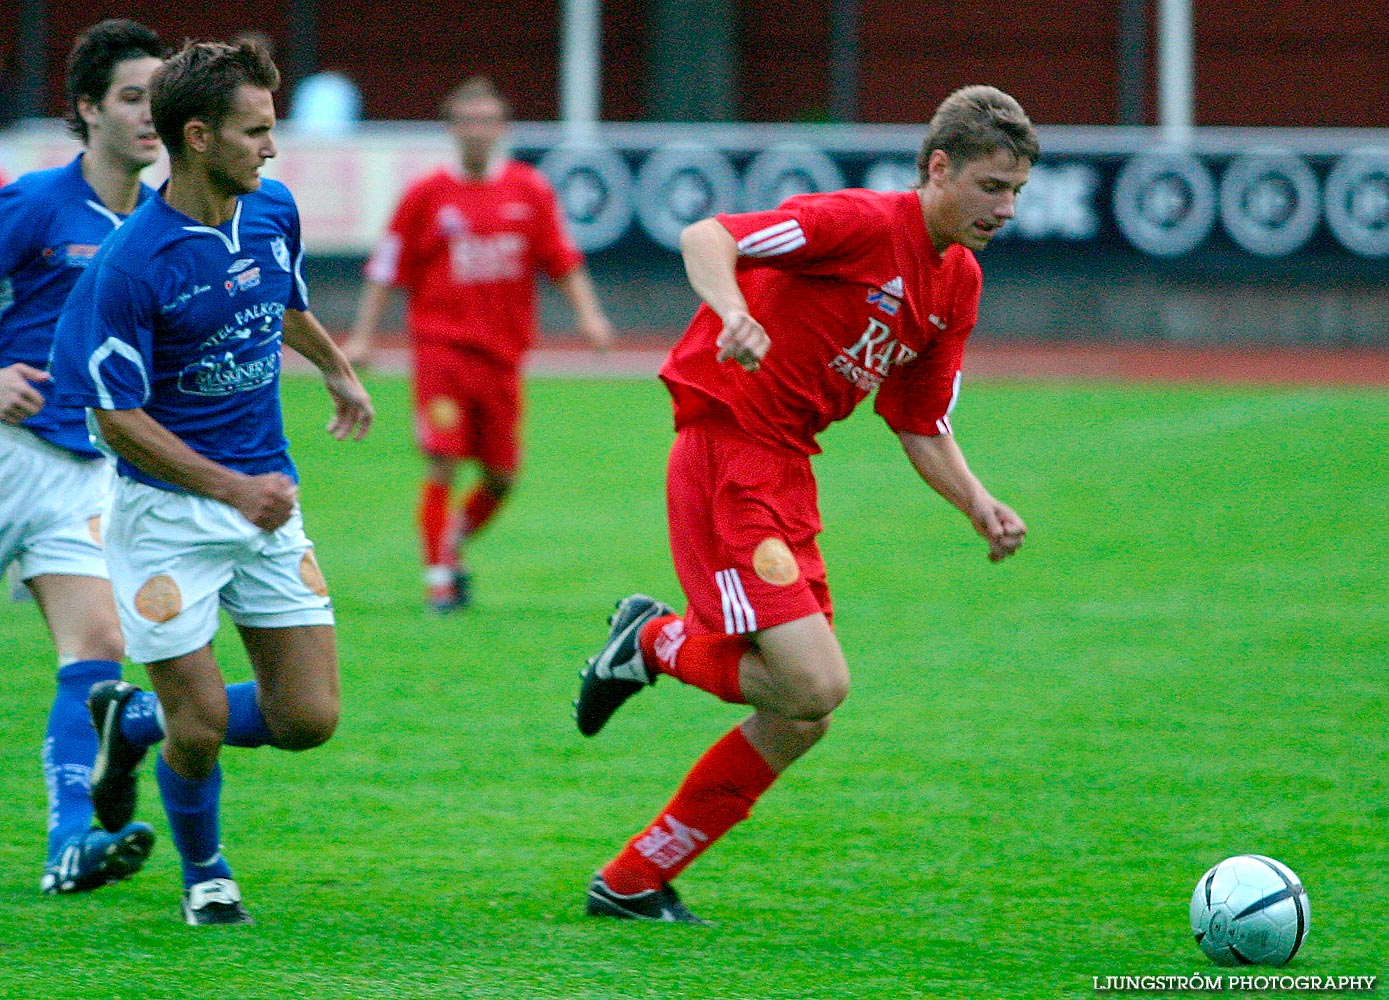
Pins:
x,y
711,264
371,309
577,287
267,500
940,462
19,400
352,409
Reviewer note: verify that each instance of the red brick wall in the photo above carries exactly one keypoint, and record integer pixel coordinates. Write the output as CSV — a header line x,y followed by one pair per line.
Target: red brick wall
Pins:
x,y
1296,62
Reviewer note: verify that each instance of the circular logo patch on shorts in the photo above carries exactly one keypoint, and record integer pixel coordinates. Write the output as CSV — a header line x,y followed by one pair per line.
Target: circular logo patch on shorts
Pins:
x,y
774,562
442,413
94,527
312,575
159,600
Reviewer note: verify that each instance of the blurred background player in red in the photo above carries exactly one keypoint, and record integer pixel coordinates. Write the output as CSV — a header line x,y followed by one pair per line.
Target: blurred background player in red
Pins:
x,y
466,247
818,303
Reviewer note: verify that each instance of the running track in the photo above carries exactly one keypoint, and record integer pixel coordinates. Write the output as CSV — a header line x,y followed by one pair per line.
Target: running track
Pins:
x,y
641,356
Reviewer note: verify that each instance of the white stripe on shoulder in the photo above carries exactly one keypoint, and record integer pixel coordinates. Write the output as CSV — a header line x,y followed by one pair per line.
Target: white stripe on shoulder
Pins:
x,y
785,244
112,346
299,277
780,238
383,267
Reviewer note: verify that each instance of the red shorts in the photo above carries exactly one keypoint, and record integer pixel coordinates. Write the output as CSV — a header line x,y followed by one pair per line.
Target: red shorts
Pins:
x,y
467,405
743,521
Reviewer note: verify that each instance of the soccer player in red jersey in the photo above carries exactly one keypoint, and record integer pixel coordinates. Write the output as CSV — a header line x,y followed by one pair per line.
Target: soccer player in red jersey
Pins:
x,y
816,304
466,248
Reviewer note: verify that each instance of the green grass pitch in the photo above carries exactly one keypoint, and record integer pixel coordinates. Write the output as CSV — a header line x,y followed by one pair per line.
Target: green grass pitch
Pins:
x,y
1037,761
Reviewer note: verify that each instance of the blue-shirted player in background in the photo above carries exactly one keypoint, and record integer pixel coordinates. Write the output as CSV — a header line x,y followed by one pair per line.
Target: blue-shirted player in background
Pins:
x,y
55,481
173,339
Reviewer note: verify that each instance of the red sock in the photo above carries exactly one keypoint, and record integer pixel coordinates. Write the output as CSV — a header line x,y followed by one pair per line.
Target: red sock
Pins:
x,y
478,509
434,516
718,793
708,662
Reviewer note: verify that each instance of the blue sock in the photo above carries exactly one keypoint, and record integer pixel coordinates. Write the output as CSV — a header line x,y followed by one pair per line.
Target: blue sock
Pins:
x,y
69,748
245,723
193,808
142,721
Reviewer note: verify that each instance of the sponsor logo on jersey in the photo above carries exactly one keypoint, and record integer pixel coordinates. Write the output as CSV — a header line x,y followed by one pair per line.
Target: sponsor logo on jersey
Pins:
x,y
476,260
72,255
515,210
774,562
81,254
867,362
225,376
887,303
244,281
894,288
240,265
184,297
451,221
937,322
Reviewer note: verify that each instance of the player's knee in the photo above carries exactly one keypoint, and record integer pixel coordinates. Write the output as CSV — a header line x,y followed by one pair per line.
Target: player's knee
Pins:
x,y
812,731
311,727
102,640
195,740
817,698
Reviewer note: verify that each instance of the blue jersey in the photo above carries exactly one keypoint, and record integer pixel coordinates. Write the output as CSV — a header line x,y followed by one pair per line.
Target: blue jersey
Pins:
x,y
184,321
51,223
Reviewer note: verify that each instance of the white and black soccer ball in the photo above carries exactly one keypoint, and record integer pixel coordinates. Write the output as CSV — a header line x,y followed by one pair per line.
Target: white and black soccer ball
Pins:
x,y
1250,910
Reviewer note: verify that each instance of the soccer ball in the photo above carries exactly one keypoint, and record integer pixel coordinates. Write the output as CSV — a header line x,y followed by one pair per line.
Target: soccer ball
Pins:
x,y
1250,910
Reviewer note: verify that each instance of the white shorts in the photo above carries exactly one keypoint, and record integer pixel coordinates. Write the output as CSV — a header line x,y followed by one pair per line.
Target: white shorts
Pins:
x,y
175,559
50,508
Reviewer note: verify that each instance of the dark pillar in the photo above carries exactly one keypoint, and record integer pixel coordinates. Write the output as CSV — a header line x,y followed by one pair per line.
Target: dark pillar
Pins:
x,y
301,59
844,25
1133,61
692,60
31,63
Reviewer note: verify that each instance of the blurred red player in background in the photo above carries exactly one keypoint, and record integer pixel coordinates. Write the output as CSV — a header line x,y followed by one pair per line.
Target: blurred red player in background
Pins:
x,y
466,246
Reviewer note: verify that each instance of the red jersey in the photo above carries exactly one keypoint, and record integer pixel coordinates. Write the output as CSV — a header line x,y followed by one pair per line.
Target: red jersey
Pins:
x,y
855,298
466,252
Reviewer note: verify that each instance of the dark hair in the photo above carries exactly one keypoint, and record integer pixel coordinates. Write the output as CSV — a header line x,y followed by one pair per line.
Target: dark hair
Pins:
x,y
200,81
92,62
974,122
472,89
